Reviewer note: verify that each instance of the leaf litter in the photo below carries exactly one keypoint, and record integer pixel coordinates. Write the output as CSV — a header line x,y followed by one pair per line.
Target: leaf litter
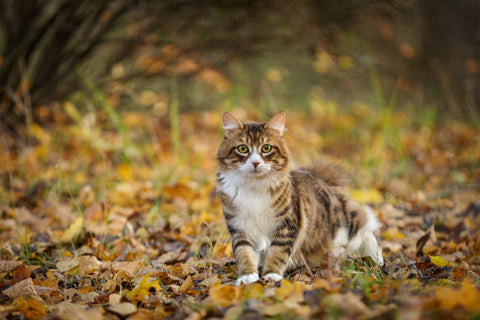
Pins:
x,y
101,236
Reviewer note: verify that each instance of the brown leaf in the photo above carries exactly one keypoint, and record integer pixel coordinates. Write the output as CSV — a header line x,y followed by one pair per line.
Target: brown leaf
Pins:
x,y
23,288
31,308
8,266
421,243
21,273
32,221
129,267
88,265
187,284
95,213
348,305
65,310
123,309
67,265
86,195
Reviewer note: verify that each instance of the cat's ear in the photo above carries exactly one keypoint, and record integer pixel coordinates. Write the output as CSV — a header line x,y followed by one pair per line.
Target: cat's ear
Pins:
x,y
230,123
277,122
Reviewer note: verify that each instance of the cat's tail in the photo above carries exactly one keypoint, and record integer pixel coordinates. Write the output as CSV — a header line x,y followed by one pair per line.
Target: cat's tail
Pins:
x,y
332,174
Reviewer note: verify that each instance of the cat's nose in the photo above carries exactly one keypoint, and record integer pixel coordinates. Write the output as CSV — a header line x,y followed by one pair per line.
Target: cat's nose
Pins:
x,y
255,163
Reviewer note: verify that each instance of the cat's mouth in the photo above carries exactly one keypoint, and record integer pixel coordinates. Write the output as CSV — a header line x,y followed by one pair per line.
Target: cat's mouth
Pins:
x,y
258,172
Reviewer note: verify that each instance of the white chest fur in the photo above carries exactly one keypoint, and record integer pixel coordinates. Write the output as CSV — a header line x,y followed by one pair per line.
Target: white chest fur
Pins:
x,y
253,213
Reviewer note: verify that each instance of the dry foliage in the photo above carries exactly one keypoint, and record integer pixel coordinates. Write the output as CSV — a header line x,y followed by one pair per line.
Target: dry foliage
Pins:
x,y
107,222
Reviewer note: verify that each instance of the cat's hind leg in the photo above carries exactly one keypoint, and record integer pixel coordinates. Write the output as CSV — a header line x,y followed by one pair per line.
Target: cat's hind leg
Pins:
x,y
369,245
370,248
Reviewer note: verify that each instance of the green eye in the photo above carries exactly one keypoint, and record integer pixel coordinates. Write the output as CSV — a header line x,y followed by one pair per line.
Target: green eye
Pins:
x,y
242,148
266,148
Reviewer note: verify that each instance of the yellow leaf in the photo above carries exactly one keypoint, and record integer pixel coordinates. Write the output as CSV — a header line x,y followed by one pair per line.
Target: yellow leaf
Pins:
x,y
143,289
288,289
222,250
367,196
252,291
31,308
51,281
438,261
73,230
392,234
224,295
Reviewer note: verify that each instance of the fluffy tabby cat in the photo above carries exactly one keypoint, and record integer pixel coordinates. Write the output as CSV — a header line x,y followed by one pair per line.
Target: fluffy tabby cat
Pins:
x,y
278,216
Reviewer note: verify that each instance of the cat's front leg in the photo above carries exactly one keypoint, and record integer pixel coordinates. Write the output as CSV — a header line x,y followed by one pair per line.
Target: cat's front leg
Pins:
x,y
281,247
279,253
246,258
276,262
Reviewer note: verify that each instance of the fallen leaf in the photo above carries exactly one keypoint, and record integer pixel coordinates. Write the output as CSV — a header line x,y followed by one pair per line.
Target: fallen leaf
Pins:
x,y
438,261
114,298
288,289
129,267
367,196
23,288
211,281
21,273
8,266
392,234
50,281
31,308
123,309
66,265
143,289
272,310
72,231
86,195
346,306
88,265
252,291
466,296
222,250
66,310
187,284
224,295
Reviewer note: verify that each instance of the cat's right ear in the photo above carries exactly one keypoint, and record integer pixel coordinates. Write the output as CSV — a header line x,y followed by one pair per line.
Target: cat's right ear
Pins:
x,y
230,123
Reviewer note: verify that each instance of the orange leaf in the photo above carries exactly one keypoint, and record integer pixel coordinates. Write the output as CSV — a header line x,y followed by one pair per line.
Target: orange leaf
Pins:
x,y
31,308
466,296
224,295
252,291
21,273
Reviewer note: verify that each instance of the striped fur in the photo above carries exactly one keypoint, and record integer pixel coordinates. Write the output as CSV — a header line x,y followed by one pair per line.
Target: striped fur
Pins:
x,y
278,216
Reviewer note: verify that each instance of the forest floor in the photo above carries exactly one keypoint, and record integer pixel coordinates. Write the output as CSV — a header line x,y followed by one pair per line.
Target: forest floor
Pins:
x,y
111,215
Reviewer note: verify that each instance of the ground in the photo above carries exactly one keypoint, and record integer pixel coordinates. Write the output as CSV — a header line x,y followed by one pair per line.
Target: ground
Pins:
x,y
113,215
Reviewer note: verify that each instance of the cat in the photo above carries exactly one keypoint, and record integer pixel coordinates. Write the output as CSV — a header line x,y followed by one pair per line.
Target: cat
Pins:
x,y
280,217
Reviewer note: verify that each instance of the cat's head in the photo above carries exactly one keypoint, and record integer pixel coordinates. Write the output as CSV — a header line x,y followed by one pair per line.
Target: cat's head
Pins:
x,y
255,150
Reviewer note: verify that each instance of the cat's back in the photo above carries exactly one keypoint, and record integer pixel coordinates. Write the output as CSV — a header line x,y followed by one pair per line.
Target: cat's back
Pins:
x,y
329,173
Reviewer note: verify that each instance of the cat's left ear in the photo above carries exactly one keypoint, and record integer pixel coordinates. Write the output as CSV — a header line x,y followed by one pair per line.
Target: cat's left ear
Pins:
x,y
230,123
277,122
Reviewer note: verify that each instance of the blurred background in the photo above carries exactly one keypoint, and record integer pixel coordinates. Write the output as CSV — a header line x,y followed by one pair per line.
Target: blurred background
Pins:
x,y
389,86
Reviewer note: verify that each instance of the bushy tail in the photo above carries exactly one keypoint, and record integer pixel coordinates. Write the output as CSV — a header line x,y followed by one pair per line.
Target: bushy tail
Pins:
x,y
332,174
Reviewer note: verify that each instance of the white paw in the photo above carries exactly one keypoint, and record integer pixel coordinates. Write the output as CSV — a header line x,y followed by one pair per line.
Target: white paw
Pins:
x,y
249,278
272,277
